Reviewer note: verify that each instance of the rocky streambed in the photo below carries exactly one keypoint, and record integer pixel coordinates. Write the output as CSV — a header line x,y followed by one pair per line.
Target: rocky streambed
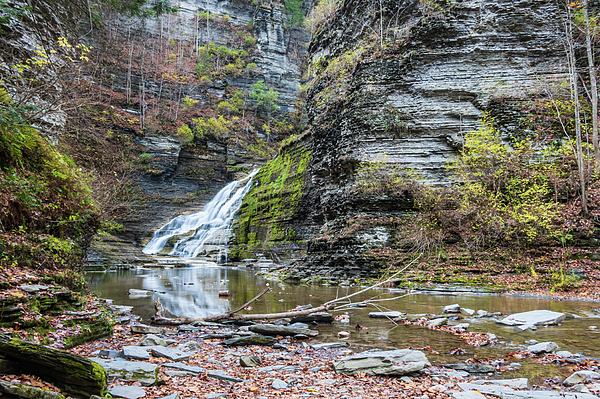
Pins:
x,y
290,358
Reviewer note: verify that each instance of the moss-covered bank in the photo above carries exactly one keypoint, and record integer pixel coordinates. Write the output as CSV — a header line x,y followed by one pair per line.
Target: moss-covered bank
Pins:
x,y
270,211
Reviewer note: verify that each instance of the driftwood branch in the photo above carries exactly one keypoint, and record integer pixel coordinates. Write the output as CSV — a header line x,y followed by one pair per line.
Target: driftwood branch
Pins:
x,y
335,304
230,314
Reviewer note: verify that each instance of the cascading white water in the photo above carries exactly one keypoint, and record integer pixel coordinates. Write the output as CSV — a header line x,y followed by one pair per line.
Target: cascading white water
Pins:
x,y
211,226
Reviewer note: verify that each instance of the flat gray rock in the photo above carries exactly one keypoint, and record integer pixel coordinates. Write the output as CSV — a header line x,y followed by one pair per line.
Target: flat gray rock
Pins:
x,y
190,346
279,384
110,353
170,353
517,383
543,347
135,352
496,390
297,325
152,340
33,288
468,312
547,395
527,320
144,373
270,329
466,395
220,375
185,367
144,329
385,315
330,345
128,392
395,362
463,326
581,376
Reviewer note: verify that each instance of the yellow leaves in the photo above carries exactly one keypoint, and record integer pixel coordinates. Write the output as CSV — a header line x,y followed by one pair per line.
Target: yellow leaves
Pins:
x,y
63,42
16,294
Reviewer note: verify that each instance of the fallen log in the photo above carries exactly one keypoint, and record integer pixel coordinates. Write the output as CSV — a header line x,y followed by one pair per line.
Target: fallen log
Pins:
x,y
74,374
335,304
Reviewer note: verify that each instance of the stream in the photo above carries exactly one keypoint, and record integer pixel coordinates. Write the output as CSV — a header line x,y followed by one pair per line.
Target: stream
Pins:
x,y
192,291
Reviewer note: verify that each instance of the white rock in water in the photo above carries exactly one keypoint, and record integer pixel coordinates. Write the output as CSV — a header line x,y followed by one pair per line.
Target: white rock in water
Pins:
x,y
452,308
543,347
530,319
469,312
581,376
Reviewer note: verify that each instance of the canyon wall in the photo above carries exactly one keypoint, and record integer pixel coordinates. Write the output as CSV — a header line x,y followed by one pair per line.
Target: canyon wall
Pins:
x,y
400,92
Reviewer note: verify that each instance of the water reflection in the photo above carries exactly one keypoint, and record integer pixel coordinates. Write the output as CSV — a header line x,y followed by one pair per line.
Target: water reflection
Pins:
x,y
193,292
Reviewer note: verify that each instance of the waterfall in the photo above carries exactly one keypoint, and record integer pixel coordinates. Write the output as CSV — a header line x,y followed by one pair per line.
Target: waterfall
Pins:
x,y
204,231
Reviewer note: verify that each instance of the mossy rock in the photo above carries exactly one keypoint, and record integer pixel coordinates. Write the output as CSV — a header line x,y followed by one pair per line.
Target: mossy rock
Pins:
x,y
76,375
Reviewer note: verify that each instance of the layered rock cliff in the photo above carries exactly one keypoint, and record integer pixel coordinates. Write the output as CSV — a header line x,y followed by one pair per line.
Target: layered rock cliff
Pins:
x,y
396,85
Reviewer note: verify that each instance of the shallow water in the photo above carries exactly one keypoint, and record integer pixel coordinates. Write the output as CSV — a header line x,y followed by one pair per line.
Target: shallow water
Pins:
x,y
192,291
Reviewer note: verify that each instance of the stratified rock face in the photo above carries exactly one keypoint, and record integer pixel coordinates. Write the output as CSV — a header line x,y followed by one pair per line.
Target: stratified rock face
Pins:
x,y
411,103
277,67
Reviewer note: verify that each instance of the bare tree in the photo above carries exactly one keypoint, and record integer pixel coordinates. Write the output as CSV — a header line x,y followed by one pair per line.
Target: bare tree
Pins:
x,y
575,95
593,83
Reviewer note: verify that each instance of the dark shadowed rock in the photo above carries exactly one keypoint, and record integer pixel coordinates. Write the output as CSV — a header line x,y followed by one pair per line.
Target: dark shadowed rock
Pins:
x,y
270,329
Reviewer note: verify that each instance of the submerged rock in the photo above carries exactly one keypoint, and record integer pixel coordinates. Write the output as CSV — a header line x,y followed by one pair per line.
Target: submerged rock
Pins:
x,y
526,320
395,362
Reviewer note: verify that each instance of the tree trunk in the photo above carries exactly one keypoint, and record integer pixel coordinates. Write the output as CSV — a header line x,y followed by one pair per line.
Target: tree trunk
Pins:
x,y
74,374
575,91
593,84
